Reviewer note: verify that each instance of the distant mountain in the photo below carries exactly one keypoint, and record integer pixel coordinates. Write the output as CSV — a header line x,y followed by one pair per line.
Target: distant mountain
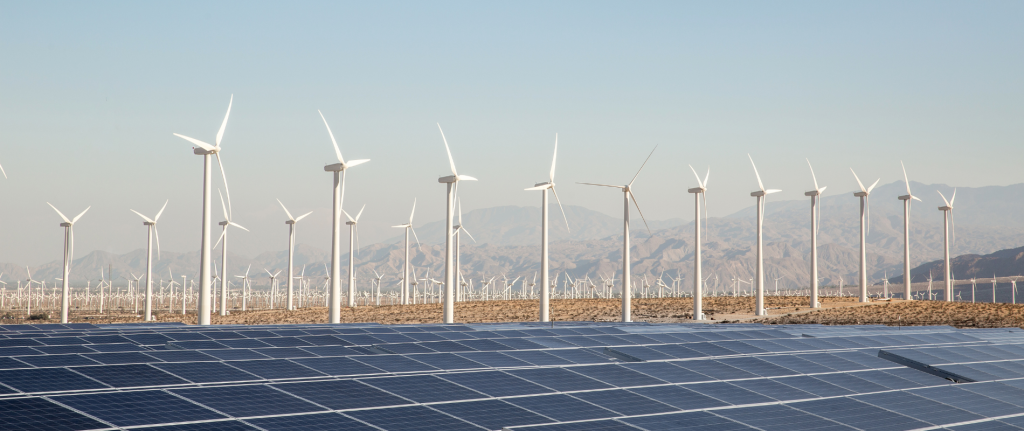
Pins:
x,y
508,242
1002,263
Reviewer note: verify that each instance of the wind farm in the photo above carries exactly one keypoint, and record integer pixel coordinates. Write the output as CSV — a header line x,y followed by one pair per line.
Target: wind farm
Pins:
x,y
488,308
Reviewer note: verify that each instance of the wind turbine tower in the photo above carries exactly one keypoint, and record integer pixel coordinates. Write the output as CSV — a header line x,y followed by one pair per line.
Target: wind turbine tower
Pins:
x,y
906,234
291,222
69,256
353,233
545,289
865,215
760,194
405,272
947,220
334,314
452,182
698,193
151,229
815,217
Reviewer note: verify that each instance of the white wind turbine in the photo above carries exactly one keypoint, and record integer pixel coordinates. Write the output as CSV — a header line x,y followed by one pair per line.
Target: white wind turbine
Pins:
x,y
405,272
906,234
291,222
150,231
69,256
353,235
627,193
947,220
458,250
815,218
224,251
545,290
339,169
698,194
452,182
206,150
865,215
760,194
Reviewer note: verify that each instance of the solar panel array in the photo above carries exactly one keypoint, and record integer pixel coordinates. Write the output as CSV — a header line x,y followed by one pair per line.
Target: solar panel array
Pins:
x,y
522,376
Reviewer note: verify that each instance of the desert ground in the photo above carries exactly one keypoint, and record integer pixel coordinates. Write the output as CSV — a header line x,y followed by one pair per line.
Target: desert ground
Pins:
x,y
781,310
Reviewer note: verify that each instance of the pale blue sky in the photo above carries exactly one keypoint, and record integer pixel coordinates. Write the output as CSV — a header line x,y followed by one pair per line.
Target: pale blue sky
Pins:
x,y
90,93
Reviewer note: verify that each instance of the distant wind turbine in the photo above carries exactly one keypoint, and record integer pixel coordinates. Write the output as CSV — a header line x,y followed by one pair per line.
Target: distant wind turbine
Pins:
x,y
339,169
760,194
815,218
698,291
545,290
458,251
353,238
947,221
906,234
865,216
150,231
206,150
404,291
449,273
69,256
228,221
627,194
291,222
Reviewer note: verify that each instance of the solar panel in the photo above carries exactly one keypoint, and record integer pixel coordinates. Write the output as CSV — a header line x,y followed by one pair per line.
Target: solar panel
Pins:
x,y
275,369
859,415
121,358
342,394
423,389
57,360
679,396
562,407
338,366
447,361
686,421
491,414
234,354
774,389
312,422
779,417
714,369
757,366
918,407
40,414
559,379
602,425
495,383
47,380
248,400
616,375
412,418
851,382
207,372
580,356
536,357
394,363
138,408
815,386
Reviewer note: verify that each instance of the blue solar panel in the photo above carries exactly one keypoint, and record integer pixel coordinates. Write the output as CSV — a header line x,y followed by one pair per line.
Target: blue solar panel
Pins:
x,y
679,396
581,356
491,414
918,408
624,402
411,418
447,361
537,357
132,375
616,375
559,379
781,418
562,407
757,366
181,356
121,358
774,389
47,380
275,369
207,372
40,414
313,422
851,382
342,394
248,401
859,415
57,360
423,389
234,354
812,385
138,408
338,366
494,359
495,383
686,421
714,369
57,350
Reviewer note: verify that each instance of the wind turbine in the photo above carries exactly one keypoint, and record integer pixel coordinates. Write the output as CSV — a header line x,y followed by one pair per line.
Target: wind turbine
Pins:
x,y
292,221
206,150
224,251
865,215
545,290
150,230
947,220
405,272
815,218
353,235
698,291
458,250
760,194
69,256
906,234
627,193
449,273
334,314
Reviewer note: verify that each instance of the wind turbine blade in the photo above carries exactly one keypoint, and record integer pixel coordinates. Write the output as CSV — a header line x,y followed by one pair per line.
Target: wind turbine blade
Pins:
x,y
140,215
815,178
268,272
602,185
360,212
916,198
238,226
87,210
642,166
59,213
699,184
952,199
560,208
706,175
352,163
303,216
337,151
551,176
944,198
458,204
250,267
467,233
226,190
223,207
196,142
3,172
822,190
544,187
276,273
417,239
413,211
907,181
157,233
346,215
450,160
465,178
286,211
770,191
858,181
224,124
641,213
222,232
161,211
759,184
873,185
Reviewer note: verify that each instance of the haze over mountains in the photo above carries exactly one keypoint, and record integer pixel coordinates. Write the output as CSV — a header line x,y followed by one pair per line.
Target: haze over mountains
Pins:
x,y
508,242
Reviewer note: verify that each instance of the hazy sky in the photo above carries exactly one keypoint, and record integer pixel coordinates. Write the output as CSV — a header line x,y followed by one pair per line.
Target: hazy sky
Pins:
x,y
90,93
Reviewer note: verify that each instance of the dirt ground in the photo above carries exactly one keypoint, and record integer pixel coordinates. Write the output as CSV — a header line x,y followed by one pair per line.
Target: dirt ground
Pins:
x,y
909,313
602,310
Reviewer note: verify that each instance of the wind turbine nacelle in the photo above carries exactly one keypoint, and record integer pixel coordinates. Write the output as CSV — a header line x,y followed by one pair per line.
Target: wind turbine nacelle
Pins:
x,y
201,152
350,223
905,197
812,193
945,208
336,167
448,179
861,194
146,223
695,190
290,222
757,193
223,223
